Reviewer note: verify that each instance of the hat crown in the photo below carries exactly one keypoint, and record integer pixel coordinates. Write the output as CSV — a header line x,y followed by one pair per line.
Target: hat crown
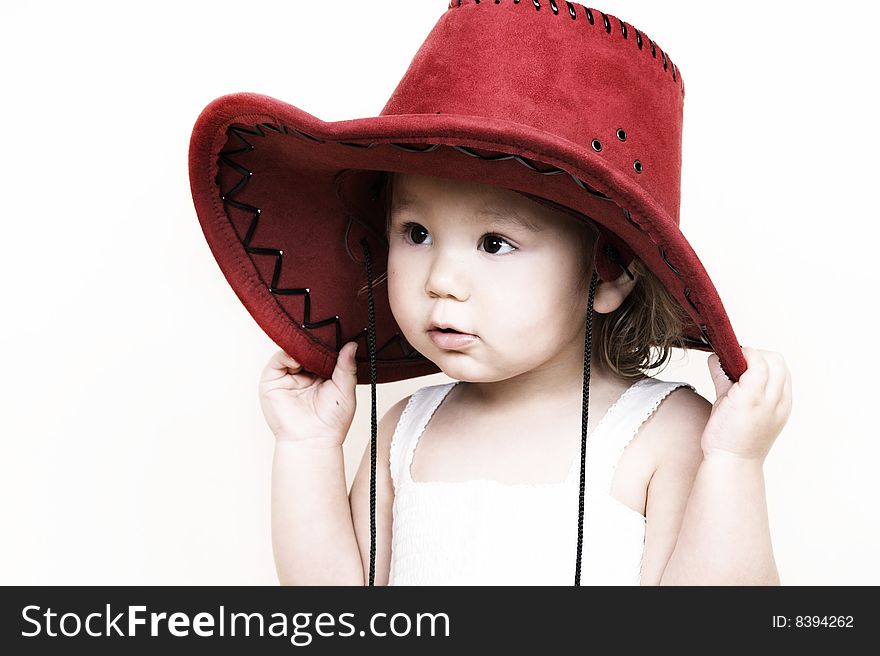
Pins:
x,y
576,73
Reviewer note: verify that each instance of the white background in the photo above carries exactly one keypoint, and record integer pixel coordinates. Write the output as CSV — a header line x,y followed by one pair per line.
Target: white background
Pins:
x,y
133,446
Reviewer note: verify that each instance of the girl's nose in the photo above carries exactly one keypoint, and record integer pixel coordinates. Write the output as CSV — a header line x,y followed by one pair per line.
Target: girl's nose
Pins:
x,y
446,277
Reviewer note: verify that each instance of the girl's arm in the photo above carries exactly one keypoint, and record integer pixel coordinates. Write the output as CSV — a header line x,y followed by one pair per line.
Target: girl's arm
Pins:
x,y
320,532
312,534
313,538
725,534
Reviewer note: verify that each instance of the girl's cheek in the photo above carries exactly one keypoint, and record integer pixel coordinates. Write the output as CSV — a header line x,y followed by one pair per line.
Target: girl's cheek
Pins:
x,y
403,263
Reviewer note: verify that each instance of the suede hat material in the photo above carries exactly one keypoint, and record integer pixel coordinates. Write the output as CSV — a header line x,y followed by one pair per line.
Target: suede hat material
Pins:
x,y
551,99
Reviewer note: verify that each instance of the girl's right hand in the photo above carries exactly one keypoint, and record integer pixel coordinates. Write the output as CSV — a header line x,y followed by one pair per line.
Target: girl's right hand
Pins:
x,y
299,405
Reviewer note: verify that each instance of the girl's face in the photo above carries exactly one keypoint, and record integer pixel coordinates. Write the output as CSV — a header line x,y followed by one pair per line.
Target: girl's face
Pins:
x,y
491,263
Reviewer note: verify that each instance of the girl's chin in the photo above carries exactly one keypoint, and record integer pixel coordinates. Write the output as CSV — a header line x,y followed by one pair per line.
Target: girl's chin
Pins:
x,y
454,365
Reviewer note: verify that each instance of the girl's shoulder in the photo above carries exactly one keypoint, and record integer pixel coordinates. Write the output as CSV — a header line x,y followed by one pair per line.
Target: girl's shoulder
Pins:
x,y
673,431
671,436
422,397
427,394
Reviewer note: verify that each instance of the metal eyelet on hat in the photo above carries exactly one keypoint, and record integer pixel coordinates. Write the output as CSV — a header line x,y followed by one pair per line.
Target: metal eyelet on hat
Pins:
x,y
571,11
589,16
637,165
622,27
554,7
597,145
621,134
639,39
606,22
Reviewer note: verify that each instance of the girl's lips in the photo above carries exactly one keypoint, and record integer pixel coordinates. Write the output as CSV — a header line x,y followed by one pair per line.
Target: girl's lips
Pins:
x,y
451,341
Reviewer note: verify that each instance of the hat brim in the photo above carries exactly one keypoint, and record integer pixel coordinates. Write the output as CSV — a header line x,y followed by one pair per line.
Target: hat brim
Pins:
x,y
274,187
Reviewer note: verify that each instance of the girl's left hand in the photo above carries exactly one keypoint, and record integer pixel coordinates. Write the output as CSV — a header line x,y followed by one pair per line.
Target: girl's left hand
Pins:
x,y
748,415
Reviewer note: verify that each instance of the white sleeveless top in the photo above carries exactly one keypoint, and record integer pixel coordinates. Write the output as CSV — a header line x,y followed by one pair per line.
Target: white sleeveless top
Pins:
x,y
483,532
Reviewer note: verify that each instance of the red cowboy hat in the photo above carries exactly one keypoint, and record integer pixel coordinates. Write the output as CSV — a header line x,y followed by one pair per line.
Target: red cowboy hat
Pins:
x,y
589,108
547,98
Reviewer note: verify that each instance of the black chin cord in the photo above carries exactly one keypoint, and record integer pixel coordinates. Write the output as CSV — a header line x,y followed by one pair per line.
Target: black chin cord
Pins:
x,y
371,344
585,415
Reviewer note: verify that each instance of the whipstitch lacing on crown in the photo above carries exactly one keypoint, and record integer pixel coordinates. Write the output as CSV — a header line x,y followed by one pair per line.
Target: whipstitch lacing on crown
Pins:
x,y
606,24
259,130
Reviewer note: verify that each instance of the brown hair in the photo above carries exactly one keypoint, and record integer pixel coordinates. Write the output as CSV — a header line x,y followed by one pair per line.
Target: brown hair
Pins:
x,y
641,333
636,337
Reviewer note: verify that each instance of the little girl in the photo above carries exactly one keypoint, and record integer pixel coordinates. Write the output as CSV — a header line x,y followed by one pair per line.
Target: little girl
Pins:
x,y
489,494
522,208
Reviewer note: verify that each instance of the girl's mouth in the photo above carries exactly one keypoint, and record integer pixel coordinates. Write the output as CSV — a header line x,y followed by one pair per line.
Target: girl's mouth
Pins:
x,y
450,339
446,328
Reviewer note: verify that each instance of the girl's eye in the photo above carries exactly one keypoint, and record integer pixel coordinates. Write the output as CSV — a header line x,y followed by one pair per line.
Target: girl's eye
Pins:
x,y
496,241
415,232
418,234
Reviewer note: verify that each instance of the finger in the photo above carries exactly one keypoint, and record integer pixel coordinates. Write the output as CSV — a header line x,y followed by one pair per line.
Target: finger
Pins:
x,y
776,375
345,372
282,361
719,378
287,373
754,379
786,391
